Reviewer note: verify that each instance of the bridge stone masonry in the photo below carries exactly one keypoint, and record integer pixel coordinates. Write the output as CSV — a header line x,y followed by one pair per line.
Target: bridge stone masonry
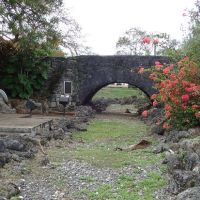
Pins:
x,y
86,75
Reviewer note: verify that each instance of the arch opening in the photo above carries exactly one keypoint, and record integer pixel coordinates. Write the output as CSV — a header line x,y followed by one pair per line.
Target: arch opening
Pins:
x,y
118,98
112,90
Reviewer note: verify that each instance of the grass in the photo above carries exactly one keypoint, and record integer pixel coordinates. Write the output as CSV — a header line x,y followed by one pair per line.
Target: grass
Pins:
x,y
98,145
87,179
127,189
110,92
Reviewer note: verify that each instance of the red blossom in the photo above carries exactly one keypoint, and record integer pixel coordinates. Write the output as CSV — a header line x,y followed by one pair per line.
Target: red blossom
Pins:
x,y
189,89
168,107
145,113
185,83
146,40
153,76
166,125
173,76
195,106
157,63
197,114
179,90
155,103
166,70
171,66
185,98
153,96
167,114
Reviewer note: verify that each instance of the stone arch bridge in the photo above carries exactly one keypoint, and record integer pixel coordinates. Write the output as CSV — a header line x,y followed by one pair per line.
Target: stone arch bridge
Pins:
x,y
83,76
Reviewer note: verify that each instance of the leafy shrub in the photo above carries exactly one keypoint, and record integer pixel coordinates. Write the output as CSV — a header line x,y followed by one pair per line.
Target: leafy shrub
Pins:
x,y
179,91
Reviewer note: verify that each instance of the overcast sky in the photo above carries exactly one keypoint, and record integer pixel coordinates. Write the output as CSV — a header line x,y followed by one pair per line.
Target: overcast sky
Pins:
x,y
103,21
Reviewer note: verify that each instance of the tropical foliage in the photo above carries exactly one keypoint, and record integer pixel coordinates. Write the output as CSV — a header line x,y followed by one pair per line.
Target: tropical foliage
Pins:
x,y
29,33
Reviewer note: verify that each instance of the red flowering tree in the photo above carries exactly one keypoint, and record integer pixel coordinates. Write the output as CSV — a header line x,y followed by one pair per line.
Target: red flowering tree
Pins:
x,y
179,91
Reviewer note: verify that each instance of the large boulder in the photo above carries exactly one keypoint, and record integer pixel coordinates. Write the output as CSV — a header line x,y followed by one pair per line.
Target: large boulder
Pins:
x,y
182,180
2,146
190,194
13,144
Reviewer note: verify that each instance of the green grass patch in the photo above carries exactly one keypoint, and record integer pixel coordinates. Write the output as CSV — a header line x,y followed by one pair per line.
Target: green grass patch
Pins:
x,y
98,144
126,189
105,135
120,131
110,92
87,179
105,157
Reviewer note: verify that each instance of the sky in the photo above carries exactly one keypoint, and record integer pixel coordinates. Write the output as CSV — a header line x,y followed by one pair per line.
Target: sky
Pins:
x,y
104,21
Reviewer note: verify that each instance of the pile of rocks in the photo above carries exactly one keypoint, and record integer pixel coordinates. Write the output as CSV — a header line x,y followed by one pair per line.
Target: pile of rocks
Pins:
x,y
19,147
100,104
183,162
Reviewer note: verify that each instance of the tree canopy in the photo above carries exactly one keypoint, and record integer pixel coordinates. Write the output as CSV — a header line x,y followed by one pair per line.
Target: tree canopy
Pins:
x,y
132,43
30,31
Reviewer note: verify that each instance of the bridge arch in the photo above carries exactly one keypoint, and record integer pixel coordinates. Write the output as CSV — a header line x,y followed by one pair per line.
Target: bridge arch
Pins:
x,y
141,82
89,74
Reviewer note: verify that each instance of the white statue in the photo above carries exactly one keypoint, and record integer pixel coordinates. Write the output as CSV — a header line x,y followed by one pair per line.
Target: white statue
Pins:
x,y
4,107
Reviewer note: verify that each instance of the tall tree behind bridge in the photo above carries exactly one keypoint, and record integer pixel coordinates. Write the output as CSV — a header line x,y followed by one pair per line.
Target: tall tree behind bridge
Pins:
x,y
191,46
29,31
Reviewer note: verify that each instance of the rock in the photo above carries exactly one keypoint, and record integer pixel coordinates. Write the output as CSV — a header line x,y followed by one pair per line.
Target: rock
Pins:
x,y
161,148
14,145
2,146
173,162
191,161
191,145
28,154
194,131
12,190
4,158
15,157
80,127
100,105
45,161
158,129
59,134
182,180
176,136
84,111
190,194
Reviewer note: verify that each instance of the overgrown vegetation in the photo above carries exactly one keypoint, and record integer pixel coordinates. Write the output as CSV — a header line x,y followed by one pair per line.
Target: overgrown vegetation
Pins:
x,y
31,32
191,45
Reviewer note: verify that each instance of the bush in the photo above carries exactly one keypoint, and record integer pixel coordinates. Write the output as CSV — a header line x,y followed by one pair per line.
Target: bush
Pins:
x,y
179,91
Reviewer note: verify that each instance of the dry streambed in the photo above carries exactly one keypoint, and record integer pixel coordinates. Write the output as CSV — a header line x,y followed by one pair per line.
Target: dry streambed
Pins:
x,y
89,166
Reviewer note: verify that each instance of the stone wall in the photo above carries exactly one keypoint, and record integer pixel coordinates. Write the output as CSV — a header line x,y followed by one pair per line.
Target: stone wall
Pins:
x,y
91,73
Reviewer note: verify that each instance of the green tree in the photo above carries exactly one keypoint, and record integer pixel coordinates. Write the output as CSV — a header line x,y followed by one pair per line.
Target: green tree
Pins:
x,y
132,43
30,31
191,45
